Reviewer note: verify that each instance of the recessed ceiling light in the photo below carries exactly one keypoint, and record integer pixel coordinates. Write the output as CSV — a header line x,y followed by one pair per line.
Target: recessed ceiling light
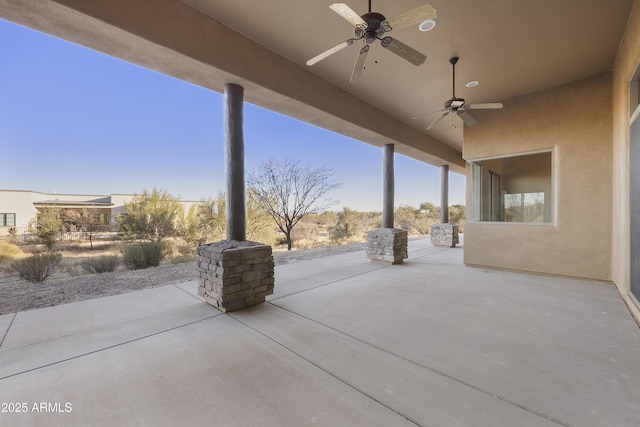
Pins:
x,y
427,25
472,83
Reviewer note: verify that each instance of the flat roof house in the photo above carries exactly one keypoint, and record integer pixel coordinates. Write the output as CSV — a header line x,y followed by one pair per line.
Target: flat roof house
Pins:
x,y
19,207
552,178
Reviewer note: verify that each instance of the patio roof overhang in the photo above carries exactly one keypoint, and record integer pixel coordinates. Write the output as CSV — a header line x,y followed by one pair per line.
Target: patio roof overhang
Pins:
x,y
262,46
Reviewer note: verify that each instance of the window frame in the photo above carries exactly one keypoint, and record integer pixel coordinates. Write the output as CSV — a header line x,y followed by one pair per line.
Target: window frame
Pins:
x,y
477,194
3,219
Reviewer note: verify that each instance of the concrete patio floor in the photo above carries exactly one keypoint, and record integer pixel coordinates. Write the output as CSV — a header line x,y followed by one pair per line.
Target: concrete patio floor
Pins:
x,y
342,342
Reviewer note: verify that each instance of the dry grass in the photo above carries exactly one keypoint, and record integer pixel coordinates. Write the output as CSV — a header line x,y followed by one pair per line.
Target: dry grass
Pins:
x,y
61,288
74,255
9,252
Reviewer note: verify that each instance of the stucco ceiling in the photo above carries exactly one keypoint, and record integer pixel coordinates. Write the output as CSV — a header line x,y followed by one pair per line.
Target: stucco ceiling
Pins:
x,y
510,47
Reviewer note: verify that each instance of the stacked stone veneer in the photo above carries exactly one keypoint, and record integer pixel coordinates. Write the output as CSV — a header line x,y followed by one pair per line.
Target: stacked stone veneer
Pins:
x,y
444,235
235,275
387,245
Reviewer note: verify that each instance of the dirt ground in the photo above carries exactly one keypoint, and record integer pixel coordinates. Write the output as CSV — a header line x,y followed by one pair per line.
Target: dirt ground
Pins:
x,y
68,284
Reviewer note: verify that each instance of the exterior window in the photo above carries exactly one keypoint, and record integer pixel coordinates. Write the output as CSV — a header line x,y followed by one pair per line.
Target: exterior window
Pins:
x,y
495,213
634,96
634,186
7,220
477,200
514,189
524,207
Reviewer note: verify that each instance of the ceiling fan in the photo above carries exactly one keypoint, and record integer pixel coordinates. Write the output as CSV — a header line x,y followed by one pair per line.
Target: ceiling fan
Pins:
x,y
371,27
459,107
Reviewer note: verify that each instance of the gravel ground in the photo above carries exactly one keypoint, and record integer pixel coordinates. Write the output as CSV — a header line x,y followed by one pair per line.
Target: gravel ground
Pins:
x,y
62,288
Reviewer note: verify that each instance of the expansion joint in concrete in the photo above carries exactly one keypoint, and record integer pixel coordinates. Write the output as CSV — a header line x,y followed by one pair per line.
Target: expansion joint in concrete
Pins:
x,y
7,331
405,359
318,366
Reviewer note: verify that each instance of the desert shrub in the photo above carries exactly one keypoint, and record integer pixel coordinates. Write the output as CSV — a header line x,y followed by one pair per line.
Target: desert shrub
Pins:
x,y
349,227
100,264
183,259
306,243
305,230
185,250
37,267
72,269
143,255
152,216
47,225
185,254
8,251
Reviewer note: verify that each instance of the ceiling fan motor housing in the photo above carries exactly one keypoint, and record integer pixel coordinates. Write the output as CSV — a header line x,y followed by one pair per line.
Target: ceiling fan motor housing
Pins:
x,y
454,104
374,28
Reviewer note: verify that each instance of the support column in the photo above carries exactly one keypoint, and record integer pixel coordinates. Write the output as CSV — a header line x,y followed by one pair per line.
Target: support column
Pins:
x,y
387,244
444,194
444,234
387,186
235,273
234,157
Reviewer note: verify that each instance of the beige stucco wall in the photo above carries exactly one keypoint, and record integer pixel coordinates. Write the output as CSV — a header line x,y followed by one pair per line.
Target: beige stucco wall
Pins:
x,y
19,203
627,61
575,121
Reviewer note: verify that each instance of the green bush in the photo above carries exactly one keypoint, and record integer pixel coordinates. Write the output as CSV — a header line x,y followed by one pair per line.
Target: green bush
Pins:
x,y
37,267
8,251
101,264
143,255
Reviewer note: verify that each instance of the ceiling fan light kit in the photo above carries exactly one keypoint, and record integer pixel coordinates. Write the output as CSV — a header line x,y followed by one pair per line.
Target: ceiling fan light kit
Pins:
x,y
427,25
373,26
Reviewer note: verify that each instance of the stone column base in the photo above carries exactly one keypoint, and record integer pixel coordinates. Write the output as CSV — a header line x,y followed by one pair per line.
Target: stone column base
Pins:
x,y
387,245
235,274
444,235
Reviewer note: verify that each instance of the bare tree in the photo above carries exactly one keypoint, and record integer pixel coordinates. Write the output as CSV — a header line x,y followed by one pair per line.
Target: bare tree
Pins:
x,y
86,221
287,190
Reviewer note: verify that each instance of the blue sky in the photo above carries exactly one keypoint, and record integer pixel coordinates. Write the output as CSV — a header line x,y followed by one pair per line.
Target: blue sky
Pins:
x,y
73,120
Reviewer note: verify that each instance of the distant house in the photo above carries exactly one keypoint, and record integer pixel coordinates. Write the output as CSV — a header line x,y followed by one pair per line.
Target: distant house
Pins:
x,y
18,207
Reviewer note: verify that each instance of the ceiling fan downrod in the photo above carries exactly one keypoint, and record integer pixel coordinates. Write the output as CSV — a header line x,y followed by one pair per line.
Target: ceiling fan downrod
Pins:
x,y
453,62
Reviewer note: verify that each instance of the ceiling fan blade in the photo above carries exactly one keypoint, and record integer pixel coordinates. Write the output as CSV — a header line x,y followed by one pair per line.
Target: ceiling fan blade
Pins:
x,y
413,16
404,51
359,65
429,113
330,52
347,13
485,106
436,121
467,119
